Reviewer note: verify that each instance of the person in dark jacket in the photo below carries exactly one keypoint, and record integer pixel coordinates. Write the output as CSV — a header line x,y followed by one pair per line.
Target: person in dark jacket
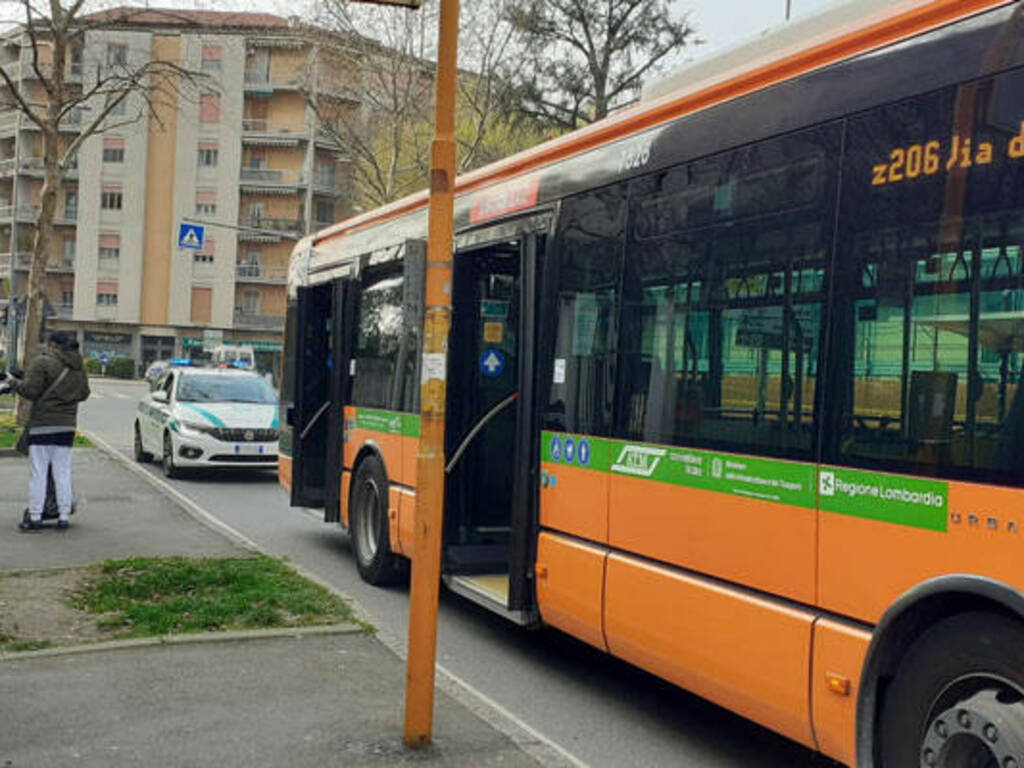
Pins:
x,y
56,383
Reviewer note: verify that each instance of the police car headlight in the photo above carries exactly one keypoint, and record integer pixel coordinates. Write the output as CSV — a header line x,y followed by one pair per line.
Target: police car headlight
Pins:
x,y
193,428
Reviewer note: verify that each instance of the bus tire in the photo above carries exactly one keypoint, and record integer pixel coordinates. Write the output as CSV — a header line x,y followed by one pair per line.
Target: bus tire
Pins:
x,y
957,699
368,528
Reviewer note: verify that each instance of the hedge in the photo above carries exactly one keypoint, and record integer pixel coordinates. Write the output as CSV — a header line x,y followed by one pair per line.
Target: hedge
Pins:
x,y
118,367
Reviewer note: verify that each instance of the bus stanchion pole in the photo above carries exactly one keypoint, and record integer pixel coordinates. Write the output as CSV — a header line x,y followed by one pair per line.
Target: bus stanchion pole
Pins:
x,y
426,559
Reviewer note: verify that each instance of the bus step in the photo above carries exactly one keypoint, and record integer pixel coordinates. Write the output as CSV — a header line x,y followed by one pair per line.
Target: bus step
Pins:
x,y
491,592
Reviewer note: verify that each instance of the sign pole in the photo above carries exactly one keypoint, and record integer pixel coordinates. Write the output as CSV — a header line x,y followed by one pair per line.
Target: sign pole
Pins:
x,y
426,560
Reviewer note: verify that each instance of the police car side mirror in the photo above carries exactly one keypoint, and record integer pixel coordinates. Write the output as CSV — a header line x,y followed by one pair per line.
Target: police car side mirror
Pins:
x,y
160,396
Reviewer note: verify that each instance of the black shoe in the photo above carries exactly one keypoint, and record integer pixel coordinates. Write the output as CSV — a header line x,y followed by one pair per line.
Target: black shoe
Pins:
x,y
62,525
30,526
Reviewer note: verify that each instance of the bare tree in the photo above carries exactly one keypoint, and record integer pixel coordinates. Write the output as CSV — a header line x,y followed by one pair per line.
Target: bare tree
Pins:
x,y
383,110
584,58
52,36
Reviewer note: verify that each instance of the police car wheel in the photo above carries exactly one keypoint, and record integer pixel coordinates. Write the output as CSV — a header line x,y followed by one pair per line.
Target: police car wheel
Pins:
x,y
141,455
171,471
368,525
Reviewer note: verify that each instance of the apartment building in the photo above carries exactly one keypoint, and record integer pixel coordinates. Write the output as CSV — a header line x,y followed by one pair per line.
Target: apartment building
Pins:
x,y
241,151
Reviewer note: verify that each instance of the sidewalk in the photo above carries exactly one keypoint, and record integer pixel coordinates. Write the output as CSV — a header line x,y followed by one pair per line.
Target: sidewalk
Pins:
x,y
296,698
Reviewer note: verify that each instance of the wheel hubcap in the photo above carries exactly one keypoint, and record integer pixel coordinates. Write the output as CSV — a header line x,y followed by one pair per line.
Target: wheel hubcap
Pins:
x,y
368,522
983,730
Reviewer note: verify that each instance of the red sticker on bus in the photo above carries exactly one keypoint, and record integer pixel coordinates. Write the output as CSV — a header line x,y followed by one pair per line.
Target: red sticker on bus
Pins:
x,y
505,198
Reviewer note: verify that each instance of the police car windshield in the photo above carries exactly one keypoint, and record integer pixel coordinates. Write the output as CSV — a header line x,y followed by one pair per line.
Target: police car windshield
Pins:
x,y
214,388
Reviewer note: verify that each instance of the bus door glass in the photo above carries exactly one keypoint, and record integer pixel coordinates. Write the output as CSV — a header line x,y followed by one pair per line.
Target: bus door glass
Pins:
x,y
482,408
310,415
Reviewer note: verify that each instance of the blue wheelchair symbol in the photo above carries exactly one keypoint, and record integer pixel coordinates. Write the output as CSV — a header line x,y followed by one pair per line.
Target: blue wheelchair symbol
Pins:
x,y
556,449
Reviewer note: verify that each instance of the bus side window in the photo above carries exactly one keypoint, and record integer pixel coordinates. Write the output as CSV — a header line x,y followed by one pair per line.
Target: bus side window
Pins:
x,y
723,298
589,252
929,297
379,340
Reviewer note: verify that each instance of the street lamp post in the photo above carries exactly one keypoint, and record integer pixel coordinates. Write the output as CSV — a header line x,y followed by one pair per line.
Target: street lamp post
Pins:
x,y
426,559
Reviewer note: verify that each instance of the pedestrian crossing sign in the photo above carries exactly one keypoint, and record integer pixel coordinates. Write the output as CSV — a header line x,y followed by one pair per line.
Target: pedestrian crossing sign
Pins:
x,y
191,236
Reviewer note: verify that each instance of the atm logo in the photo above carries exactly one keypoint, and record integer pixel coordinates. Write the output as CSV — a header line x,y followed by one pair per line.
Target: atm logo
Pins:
x,y
639,460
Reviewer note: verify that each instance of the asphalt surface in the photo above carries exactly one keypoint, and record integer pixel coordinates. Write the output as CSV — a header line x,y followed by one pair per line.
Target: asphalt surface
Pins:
x,y
600,711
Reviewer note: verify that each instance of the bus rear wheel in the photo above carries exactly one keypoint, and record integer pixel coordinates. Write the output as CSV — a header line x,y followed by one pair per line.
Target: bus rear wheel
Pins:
x,y
957,700
371,541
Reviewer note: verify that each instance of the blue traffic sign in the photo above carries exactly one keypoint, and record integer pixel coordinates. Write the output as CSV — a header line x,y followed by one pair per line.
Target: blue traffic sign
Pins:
x,y
191,236
570,449
492,363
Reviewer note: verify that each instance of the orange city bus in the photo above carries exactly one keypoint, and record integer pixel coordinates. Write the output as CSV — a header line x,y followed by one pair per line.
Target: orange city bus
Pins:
x,y
734,387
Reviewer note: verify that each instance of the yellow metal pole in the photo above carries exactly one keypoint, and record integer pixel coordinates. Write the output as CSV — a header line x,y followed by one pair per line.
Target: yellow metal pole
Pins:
x,y
426,558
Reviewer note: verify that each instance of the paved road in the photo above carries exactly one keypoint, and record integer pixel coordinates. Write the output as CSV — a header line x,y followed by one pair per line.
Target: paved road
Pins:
x,y
602,711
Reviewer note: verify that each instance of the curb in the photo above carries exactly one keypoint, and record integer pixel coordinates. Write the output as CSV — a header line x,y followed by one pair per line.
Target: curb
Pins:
x,y
239,635
520,733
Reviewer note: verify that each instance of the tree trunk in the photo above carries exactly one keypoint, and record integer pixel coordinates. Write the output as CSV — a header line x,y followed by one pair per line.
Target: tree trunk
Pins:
x,y
35,306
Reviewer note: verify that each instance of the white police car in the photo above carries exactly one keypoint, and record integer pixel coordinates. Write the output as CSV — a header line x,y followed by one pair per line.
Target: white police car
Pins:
x,y
205,417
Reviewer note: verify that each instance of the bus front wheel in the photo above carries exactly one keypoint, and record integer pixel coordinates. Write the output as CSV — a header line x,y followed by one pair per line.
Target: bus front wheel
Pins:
x,y
957,700
371,542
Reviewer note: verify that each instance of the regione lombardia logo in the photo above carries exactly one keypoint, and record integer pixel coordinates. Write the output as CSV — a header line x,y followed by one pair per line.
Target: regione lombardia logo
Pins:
x,y
827,483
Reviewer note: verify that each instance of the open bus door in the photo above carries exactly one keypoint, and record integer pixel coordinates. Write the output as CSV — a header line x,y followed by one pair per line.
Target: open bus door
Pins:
x,y
492,425
309,416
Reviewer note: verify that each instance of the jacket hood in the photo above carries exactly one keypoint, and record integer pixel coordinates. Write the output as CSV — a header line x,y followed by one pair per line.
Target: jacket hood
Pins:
x,y
71,358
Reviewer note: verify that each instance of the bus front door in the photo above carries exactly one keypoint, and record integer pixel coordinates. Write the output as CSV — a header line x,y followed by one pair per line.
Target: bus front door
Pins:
x,y
487,507
313,395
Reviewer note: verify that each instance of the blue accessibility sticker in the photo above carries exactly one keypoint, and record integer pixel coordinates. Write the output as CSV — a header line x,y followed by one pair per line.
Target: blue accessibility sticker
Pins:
x,y
492,363
583,452
570,450
556,448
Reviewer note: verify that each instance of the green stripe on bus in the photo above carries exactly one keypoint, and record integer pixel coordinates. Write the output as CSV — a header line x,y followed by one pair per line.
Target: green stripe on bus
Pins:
x,y
912,501
389,422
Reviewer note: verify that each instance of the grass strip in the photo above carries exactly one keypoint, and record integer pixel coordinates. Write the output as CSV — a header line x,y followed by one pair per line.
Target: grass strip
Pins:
x,y
9,432
142,597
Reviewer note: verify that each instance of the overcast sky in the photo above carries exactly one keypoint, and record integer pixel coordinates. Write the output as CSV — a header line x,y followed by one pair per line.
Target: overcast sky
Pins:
x,y
726,22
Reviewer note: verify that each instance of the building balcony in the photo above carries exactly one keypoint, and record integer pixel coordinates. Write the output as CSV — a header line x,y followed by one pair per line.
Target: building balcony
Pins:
x,y
257,273
27,214
271,180
260,132
34,166
253,321
62,266
9,121
8,166
21,260
63,311
271,225
259,84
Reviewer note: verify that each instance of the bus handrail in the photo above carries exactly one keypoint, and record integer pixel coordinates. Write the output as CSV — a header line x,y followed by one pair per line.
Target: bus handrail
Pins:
x,y
316,416
476,429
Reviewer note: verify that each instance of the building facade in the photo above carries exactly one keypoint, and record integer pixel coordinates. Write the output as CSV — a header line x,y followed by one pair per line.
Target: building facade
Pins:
x,y
240,152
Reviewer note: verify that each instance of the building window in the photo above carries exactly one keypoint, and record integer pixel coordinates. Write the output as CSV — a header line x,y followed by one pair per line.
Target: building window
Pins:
x,y
325,211
211,58
106,297
250,303
67,253
209,108
200,310
117,54
257,211
208,155
67,298
257,159
109,247
111,199
71,204
206,202
205,256
113,150
120,105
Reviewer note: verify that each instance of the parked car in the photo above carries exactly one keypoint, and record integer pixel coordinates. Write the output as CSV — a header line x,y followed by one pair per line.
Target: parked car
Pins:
x,y
155,369
208,417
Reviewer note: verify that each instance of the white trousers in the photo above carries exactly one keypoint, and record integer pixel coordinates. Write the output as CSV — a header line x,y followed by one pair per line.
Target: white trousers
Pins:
x,y
41,457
